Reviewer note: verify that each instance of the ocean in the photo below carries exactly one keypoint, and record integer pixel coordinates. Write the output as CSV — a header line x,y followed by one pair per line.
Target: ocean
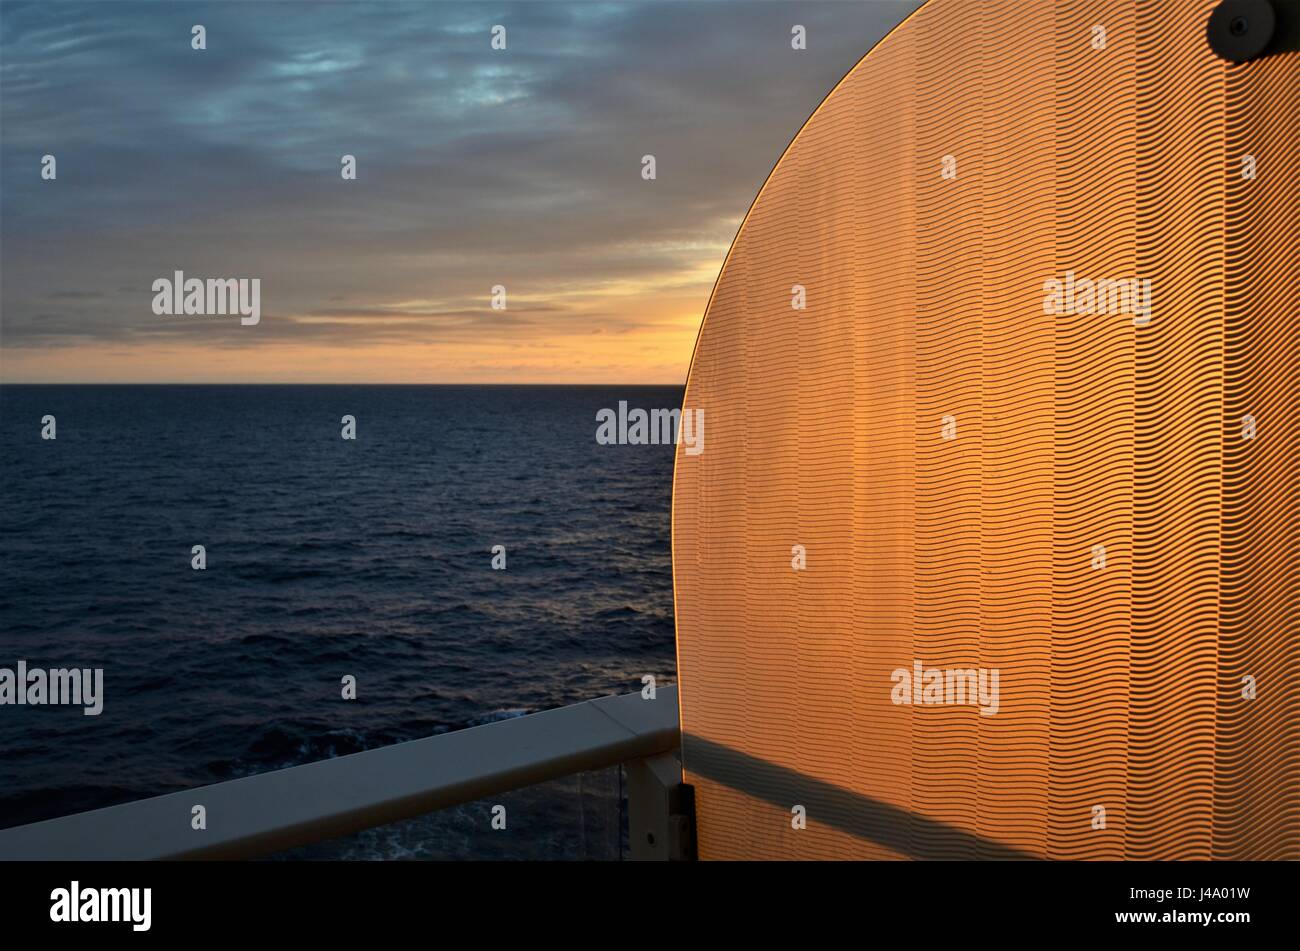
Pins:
x,y
325,558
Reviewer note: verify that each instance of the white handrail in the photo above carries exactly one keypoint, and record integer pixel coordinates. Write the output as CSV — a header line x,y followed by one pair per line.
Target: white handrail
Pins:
x,y
269,812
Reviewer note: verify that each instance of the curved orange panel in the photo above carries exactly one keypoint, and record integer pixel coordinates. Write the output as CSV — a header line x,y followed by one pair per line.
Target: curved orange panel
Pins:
x,y
1035,422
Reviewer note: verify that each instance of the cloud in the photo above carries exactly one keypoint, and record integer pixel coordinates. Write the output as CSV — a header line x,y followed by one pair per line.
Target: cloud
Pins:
x,y
475,167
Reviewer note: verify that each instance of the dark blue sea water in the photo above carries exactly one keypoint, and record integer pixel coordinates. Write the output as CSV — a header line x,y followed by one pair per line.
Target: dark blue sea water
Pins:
x,y
325,557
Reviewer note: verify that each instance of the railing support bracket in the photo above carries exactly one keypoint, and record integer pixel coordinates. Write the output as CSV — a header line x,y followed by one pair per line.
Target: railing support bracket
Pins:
x,y
660,810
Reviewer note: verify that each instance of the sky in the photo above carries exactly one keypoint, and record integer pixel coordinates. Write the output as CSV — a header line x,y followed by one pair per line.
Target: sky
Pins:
x,y
475,167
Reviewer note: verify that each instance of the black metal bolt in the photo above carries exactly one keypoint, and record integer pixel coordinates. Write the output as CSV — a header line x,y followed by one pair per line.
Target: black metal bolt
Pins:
x,y
1240,30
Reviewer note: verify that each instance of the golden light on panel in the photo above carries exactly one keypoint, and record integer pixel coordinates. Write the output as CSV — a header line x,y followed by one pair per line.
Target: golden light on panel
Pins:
x,y
992,550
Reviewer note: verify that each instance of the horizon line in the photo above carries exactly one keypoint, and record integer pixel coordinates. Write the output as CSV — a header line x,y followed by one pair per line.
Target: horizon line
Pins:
x,y
301,383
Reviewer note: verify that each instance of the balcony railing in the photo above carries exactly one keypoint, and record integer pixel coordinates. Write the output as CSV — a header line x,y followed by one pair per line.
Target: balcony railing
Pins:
x,y
267,813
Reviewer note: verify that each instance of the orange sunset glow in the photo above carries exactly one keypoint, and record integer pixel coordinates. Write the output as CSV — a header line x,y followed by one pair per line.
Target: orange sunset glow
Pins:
x,y
380,175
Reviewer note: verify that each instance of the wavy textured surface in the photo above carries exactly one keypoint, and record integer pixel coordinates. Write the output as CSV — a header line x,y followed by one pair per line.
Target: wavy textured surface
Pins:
x,y
1120,686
